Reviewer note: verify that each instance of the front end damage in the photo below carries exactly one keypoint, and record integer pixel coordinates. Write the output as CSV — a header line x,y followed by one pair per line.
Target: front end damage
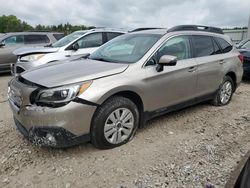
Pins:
x,y
58,127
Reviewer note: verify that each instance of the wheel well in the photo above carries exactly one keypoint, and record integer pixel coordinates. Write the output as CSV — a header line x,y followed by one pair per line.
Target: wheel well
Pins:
x,y
233,76
136,99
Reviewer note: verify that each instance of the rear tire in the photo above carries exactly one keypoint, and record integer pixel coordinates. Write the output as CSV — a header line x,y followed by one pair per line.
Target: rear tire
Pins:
x,y
114,123
224,93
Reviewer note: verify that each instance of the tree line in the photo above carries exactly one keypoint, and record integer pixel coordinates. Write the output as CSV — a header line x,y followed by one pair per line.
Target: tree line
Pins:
x,y
11,23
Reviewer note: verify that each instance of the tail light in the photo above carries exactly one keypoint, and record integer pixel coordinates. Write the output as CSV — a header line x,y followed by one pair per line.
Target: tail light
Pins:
x,y
241,57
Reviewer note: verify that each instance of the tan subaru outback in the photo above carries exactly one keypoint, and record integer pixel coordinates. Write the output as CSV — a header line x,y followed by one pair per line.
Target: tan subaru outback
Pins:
x,y
105,97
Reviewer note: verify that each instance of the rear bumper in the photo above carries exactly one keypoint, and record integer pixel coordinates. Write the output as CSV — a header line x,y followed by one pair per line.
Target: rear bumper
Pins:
x,y
49,136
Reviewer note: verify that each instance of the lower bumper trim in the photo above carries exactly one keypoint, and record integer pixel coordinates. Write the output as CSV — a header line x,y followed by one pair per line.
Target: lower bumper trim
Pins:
x,y
48,136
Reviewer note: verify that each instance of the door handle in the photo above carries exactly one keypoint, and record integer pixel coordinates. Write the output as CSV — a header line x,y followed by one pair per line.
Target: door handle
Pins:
x,y
68,56
222,61
192,69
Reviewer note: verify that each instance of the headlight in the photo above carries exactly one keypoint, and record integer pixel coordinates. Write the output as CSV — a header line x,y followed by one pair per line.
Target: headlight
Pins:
x,y
61,95
31,58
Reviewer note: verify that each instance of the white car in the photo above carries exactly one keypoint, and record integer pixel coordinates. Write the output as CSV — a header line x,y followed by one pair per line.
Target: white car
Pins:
x,y
75,45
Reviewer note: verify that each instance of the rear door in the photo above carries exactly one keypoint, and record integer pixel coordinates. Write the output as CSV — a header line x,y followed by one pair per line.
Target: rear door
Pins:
x,y
209,69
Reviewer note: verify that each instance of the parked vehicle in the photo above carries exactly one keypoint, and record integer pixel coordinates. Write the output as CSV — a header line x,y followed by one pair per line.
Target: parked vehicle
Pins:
x,y
245,51
11,41
73,45
127,81
242,43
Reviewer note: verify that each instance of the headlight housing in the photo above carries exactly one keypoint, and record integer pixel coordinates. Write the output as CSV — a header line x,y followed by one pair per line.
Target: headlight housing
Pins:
x,y
31,58
61,95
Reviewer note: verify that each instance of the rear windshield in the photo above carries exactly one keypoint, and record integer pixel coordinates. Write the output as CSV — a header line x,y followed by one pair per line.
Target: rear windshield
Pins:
x,y
67,39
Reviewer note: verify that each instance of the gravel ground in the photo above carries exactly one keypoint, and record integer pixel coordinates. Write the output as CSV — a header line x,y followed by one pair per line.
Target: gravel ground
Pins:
x,y
190,148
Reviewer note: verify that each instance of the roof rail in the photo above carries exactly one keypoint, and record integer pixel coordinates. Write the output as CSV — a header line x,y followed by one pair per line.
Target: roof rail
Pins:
x,y
144,28
196,28
42,31
107,28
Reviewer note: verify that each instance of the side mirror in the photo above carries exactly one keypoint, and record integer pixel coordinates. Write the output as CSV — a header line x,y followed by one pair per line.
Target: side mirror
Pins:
x,y
75,46
2,44
166,60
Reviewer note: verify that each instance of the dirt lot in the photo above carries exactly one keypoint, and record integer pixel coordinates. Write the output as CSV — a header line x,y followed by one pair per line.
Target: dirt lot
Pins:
x,y
189,148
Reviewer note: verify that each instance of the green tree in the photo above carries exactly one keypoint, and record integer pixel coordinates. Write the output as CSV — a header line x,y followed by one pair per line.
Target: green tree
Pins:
x,y
12,24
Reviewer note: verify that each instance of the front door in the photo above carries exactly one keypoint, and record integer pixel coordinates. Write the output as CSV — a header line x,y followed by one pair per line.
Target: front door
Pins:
x,y
175,84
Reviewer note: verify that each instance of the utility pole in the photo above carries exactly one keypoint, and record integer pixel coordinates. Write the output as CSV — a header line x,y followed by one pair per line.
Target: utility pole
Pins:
x,y
248,32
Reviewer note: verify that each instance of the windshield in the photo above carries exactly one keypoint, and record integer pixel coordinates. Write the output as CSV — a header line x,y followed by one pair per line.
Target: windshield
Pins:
x,y
246,45
69,38
126,48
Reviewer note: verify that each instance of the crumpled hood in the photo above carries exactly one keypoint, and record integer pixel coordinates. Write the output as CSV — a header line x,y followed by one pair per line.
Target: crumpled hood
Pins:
x,y
69,72
31,50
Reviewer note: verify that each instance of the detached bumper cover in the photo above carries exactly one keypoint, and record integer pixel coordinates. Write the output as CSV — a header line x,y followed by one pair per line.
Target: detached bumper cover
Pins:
x,y
58,136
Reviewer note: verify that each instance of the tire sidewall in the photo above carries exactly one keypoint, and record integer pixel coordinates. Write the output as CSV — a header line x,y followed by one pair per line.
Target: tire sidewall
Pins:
x,y
226,79
99,119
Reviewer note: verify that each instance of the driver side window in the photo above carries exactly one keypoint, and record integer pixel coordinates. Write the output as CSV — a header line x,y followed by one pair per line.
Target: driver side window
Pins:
x,y
177,46
91,41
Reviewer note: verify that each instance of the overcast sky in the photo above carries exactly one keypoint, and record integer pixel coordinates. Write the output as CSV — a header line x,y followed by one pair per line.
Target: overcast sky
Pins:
x,y
130,13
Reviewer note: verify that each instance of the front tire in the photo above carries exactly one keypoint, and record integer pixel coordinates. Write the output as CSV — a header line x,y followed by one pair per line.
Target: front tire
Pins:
x,y
114,123
225,92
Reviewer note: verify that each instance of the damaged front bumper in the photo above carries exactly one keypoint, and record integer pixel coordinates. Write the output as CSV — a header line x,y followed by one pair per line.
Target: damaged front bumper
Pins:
x,y
56,137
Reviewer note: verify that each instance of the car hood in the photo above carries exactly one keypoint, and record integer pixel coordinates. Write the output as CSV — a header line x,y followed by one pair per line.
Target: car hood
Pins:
x,y
69,72
31,50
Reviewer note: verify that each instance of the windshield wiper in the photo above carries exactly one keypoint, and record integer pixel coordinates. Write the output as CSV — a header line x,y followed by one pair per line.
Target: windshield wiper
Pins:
x,y
48,45
100,59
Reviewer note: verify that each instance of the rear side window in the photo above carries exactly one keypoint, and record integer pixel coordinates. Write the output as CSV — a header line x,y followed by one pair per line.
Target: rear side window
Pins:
x,y
36,39
203,45
216,48
13,40
225,46
112,35
58,36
